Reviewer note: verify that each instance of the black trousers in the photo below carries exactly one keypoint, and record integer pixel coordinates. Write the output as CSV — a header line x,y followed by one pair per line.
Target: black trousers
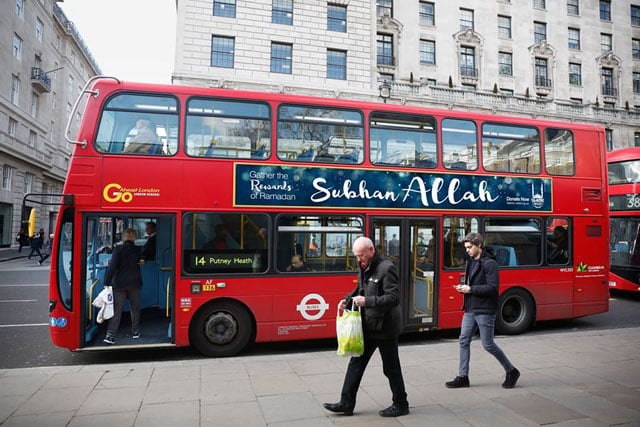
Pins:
x,y
119,298
390,367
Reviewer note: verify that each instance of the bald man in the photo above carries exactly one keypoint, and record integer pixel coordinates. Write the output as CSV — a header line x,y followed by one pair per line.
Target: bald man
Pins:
x,y
378,296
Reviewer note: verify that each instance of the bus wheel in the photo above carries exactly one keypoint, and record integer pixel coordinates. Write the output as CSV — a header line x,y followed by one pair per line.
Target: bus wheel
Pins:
x,y
221,329
515,312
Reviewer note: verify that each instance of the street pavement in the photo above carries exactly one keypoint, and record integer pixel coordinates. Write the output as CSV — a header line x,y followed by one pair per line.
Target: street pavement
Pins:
x,y
589,378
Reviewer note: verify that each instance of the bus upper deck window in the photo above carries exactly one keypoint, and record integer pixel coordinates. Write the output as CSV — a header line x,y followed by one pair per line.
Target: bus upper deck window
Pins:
x,y
139,125
459,144
507,148
403,140
320,134
559,152
228,128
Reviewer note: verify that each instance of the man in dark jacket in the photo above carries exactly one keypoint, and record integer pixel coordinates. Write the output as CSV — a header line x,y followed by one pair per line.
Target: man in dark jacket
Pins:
x,y
480,290
124,271
378,296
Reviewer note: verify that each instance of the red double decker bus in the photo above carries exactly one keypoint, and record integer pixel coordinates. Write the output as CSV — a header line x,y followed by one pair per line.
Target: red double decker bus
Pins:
x,y
258,197
624,207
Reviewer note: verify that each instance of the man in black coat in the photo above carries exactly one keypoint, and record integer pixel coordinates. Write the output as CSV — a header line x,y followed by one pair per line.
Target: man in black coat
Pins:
x,y
149,247
480,290
124,271
378,296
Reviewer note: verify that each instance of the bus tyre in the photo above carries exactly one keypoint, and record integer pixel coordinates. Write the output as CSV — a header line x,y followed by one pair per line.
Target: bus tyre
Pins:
x,y
221,329
515,312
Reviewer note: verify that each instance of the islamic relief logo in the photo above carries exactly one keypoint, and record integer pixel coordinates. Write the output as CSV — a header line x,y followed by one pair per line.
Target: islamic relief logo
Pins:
x,y
537,198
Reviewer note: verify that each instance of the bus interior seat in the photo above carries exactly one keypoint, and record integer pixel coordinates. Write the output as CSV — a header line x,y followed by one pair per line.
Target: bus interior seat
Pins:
x,y
259,153
351,157
505,256
307,155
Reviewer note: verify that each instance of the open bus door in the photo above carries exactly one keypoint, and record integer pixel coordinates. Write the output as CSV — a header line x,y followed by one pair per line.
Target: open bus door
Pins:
x,y
101,232
411,244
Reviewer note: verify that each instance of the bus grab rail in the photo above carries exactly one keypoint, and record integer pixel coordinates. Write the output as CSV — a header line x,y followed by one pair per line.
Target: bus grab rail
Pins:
x,y
95,94
91,298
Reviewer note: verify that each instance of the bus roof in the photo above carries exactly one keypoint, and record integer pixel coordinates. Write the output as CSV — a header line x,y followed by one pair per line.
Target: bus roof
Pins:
x,y
623,154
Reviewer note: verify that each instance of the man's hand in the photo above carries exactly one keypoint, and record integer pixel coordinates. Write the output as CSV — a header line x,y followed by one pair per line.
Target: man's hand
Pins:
x,y
342,304
359,301
463,289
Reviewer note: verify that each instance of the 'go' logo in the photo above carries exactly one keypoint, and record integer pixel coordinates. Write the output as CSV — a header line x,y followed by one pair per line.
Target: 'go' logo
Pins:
x,y
112,193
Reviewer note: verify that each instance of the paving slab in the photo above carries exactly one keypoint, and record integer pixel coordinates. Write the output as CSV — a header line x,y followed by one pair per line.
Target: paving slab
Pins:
x,y
539,409
183,414
289,407
245,414
112,400
119,419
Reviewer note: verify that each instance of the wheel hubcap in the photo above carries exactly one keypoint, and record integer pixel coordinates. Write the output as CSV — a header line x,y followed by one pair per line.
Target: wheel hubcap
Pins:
x,y
221,328
513,310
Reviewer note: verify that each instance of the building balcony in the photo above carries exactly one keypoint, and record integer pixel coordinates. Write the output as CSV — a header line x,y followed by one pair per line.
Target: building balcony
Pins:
x,y
609,90
39,80
469,72
543,82
386,60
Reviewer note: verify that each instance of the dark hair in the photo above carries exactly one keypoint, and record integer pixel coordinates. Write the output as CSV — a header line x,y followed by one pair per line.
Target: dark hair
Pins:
x,y
475,239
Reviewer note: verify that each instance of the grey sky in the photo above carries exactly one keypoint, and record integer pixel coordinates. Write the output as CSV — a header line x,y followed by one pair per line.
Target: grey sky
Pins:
x,y
133,40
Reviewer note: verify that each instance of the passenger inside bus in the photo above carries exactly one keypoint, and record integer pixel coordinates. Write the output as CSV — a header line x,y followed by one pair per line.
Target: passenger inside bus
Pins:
x,y
298,264
145,140
219,241
558,246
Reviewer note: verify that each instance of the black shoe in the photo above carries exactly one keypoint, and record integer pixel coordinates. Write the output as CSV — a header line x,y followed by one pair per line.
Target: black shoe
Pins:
x,y
339,408
458,382
394,411
511,379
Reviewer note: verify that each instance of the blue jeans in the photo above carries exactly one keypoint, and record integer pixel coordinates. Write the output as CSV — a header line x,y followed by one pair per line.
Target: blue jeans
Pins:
x,y
486,323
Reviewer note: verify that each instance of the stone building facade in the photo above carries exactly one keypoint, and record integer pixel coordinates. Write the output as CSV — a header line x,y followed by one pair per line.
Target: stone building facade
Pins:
x,y
569,60
45,64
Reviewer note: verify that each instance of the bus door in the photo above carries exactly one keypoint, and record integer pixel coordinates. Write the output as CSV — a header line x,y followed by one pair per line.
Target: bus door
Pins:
x,y
102,233
410,244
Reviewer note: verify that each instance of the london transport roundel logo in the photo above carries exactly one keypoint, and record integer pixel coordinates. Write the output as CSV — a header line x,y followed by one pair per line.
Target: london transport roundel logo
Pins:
x,y
317,304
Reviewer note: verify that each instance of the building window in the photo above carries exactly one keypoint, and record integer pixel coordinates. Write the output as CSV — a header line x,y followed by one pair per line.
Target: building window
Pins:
x,y
35,100
13,125
605,10
636,82
468,62
32,138
54,100
608,136
466,18
542,73
17,47
225,8
431,82
427,13
39,27
539,4
635,48
384,49
384,7
336,64
607,82
70,84
507,92
282,12
427,52
606,43
573,7
7,177
28,182
636,139
574,38
575,74
15,89
577,101
281,58
337,18
20,9
539,32
385,77
635,15
504,27
505,63
69,107
222,51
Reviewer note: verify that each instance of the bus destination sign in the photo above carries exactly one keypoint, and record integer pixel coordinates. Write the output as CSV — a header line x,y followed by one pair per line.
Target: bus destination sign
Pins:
x,y
219,261
328,187
624,202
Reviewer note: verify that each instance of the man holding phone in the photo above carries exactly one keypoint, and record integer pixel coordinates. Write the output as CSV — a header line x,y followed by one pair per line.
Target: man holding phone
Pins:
x,y
480,289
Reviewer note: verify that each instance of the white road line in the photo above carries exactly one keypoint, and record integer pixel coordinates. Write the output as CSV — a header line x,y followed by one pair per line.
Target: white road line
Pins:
x,y
26,286
24,324
18,300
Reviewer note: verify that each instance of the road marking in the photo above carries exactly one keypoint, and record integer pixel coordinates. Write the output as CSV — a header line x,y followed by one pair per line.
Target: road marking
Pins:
x,y
24,324
27,286
18,300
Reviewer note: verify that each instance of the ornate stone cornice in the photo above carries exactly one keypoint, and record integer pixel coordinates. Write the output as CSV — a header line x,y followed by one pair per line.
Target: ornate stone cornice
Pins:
x,y
609,59
543,49
468,36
